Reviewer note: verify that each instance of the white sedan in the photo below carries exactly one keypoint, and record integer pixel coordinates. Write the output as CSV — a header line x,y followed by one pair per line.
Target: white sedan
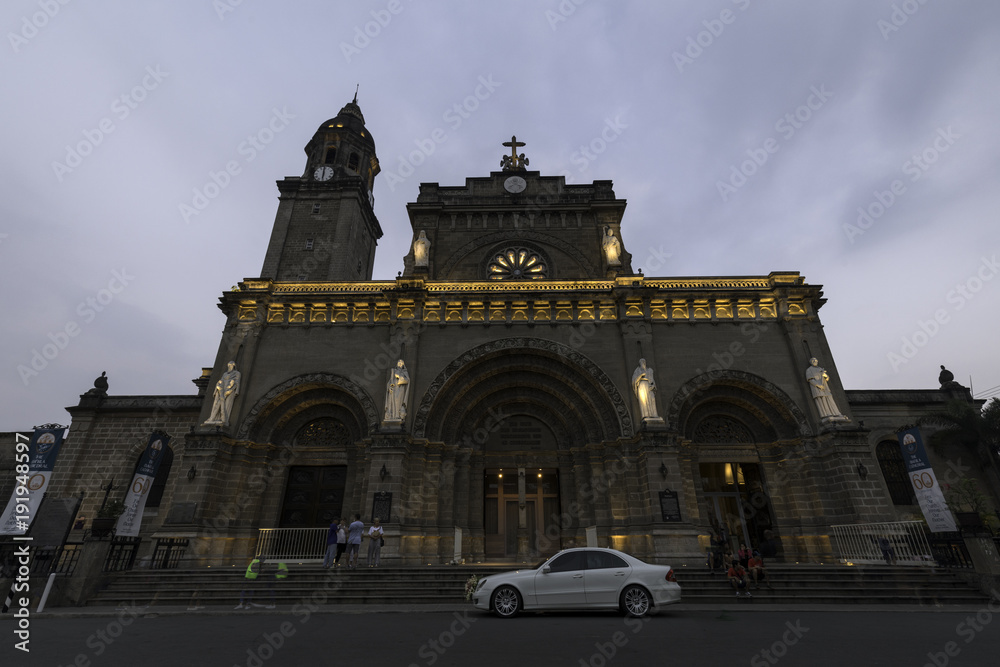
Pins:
x,y
582,578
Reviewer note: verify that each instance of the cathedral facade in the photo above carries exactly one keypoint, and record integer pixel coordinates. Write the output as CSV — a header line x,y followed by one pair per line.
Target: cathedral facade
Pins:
x,y
519,388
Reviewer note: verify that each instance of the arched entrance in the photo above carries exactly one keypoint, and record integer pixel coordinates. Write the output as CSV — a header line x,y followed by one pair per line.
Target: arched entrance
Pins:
x,y
526,414
310,427
736,425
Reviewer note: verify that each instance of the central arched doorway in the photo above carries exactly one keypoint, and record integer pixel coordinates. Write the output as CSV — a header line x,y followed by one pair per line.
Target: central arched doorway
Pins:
x,y
528,416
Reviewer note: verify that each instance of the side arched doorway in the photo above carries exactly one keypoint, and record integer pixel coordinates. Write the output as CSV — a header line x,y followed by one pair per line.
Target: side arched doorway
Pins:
x,y
309,432
738,430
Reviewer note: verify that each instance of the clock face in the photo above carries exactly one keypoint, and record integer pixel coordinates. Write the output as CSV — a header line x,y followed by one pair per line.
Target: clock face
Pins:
x,y
323,173
515,184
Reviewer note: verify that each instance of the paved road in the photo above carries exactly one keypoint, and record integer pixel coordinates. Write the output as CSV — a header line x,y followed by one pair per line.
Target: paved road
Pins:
x,y
460,636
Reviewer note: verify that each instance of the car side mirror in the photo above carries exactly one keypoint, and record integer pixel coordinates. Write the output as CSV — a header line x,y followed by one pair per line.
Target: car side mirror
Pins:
x,y
546,569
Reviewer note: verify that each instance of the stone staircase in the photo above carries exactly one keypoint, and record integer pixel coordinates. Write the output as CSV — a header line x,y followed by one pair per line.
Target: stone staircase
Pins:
x,y
792,584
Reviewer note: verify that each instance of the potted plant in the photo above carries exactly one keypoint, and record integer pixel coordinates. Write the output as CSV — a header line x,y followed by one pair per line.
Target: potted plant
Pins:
x,y
107,517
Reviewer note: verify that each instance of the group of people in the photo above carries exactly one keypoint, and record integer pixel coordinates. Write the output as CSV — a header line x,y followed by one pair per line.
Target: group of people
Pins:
x,y
347,537
746,567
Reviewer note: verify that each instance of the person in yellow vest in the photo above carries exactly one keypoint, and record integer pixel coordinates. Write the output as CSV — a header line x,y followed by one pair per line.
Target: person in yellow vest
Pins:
x,y
253,569
280,574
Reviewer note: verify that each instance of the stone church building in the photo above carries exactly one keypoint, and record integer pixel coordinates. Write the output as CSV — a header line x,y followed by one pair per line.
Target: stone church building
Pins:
x,y
520,381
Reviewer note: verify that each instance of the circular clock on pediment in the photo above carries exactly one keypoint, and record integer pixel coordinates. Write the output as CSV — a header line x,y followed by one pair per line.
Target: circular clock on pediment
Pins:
x,y
323,173
515,184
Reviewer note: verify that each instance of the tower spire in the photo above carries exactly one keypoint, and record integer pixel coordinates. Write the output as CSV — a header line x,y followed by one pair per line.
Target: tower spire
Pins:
x,y
356,93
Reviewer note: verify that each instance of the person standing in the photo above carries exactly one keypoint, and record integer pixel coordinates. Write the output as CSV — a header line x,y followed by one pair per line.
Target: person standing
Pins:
x,y
354,532
331,544
253,569
374,543
341,541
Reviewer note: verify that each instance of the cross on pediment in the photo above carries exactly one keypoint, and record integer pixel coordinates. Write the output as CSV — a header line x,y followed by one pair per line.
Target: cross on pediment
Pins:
x,y
513,162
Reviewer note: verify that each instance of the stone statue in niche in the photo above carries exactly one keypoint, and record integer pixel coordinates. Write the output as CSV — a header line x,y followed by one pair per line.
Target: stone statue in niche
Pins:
x,y
645,391
226,391
421,249
396,392
819,384
612,247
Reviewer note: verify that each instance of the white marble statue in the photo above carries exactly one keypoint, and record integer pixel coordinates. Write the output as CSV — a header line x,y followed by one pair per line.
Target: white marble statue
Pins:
x,y
421,249
396,392
819,384
612,247
645,391
226,390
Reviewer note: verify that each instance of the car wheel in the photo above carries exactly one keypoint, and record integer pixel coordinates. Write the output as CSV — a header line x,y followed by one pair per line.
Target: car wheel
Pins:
x,y
506,602
635,601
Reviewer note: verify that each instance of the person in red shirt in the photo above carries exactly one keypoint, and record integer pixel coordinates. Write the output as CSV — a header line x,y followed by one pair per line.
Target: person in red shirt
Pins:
x,y
757,570
738,578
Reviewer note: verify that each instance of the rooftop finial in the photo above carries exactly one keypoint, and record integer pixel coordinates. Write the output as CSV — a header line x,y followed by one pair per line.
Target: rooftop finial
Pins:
x,y
513,162
356,93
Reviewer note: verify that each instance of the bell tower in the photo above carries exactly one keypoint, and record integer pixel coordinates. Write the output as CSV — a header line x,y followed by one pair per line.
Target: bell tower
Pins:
x,y
325,228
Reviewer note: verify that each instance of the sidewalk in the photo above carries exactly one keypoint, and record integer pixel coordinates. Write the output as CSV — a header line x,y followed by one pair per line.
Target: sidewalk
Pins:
x,y
354,609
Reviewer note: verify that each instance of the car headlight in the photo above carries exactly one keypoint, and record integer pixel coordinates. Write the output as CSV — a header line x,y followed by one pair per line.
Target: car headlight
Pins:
x,y
482,582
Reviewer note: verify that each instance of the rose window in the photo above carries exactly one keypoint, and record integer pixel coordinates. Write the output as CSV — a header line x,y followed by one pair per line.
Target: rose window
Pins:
x,y
516,264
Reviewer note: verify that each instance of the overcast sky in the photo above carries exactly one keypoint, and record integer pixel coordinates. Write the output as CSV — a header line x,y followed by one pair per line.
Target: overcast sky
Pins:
x,y
745,136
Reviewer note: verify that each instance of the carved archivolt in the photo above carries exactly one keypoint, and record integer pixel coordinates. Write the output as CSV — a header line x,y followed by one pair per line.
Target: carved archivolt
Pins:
x,y
767,392
618,421
311,380
509,236
719,429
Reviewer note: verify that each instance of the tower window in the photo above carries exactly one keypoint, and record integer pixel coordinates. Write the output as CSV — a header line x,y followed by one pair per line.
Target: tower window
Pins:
x,y
316,209
309,244
353,162
331,155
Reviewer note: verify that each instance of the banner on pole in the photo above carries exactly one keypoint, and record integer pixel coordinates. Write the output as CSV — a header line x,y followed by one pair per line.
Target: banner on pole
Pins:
x,y
925,485
33,465
135,500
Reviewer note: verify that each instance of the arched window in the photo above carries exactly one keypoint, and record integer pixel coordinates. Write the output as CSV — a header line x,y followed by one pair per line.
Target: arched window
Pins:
x,y
890,460
516,264
160,481
353,162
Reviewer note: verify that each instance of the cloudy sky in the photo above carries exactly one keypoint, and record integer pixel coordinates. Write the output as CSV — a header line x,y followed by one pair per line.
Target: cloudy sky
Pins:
x,y
853,141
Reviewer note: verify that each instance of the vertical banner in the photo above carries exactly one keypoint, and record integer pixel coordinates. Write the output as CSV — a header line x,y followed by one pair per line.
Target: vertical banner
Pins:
x,y
33,463
925,486
135,500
